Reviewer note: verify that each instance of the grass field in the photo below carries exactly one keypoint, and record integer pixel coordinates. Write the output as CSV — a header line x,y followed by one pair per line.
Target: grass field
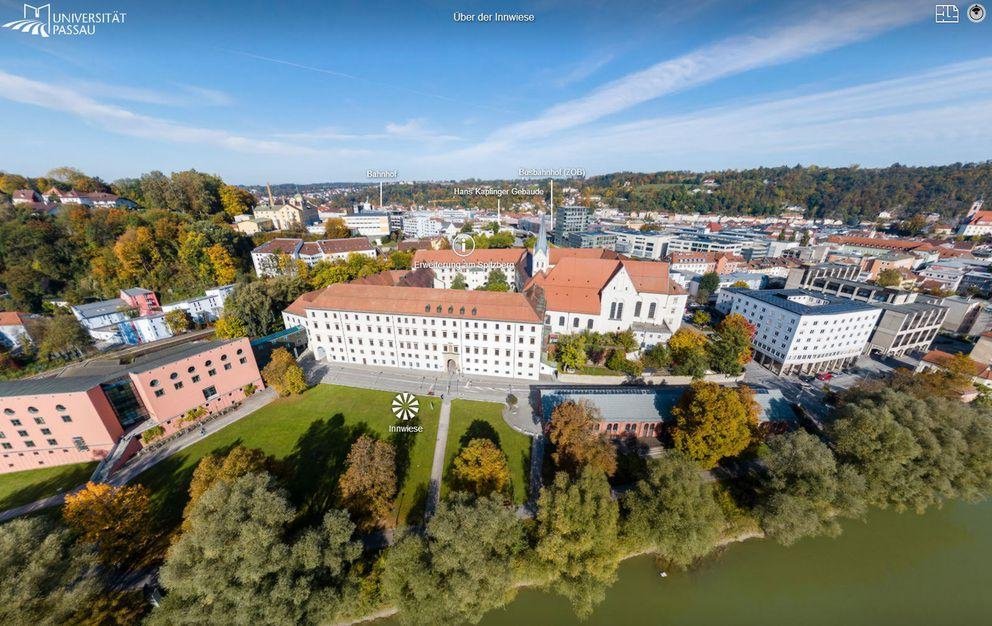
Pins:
x,y
471,419
311,434
20,488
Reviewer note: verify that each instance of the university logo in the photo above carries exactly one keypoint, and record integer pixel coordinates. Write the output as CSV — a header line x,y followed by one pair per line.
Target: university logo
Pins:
x,y
36,21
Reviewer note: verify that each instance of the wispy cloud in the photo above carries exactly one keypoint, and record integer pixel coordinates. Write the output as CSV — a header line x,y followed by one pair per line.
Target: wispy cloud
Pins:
x,y
583,70
926,117
362,79
122,121
179,94
411,130
823,29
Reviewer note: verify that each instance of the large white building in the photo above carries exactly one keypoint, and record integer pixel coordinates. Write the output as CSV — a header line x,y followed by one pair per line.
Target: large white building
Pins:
x,y
441,330
421,226
266,257
474,267
802,332
640,244
205,308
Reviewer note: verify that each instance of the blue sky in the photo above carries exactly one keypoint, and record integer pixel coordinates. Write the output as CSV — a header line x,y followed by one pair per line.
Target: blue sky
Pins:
x,y
321,91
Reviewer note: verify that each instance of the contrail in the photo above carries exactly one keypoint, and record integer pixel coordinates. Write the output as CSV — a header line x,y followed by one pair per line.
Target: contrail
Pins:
x,y
367,81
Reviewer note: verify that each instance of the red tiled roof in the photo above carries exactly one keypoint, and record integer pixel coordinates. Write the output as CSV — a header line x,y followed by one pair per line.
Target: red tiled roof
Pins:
x,y
286,246
451,303
575,284
882,244
11,318
557,254
651,277
336,246
490,255
703,257
420,277
940,358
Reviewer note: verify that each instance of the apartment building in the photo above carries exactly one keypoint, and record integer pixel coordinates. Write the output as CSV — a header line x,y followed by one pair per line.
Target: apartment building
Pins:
x,y
639,244
81,414
438,330
206,308
705,262
803,332
906,328
266,257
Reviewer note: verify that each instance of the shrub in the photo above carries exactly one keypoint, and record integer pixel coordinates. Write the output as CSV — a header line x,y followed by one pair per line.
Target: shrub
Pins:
x,y
153,433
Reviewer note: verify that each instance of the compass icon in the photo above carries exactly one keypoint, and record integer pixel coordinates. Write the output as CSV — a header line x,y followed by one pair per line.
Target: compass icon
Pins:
x,y
405,406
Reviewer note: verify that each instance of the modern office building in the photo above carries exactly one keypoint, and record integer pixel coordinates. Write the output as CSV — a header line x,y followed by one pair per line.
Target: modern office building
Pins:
x,y
640,244
81,414
440,330
803,332
592,239
568,220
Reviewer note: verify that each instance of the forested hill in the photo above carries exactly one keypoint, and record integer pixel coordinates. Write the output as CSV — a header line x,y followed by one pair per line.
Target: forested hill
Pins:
x,y
845,193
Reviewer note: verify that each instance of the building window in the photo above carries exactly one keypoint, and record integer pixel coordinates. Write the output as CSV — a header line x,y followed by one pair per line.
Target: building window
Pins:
x,y
6,446
66,418
173,376
8,411
637,309
22,433
15,422
159,393
227,366
52,442
32,409
242,360
179,385
59,407
80,444
211,372
29,444
209,392
39,420
46,431
153,383
196,379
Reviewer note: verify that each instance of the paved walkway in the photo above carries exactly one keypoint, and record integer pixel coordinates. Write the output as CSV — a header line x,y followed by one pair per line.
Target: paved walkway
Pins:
x,y
437,468
142,462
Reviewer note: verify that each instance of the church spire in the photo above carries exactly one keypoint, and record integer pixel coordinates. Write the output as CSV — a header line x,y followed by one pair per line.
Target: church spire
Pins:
x,y
541,256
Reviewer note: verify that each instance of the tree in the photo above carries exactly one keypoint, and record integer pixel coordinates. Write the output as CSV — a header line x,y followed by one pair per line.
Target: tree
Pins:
x,y
47,576
709,282
740,284
805,491
178,321
496,281
700,318
804,240
229,328
251,306
481,468
334,228
673,511
461,568
656,357
687,348
236,200
215,468
458,282
400,260
713,422
730,349
914,453
577,537
570,352
574,432
369,483
284,374
24,284
889,277
116,520
619,363
237,564
224,269
63,336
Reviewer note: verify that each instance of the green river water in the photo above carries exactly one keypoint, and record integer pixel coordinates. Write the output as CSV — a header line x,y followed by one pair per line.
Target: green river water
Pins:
x,y
933,569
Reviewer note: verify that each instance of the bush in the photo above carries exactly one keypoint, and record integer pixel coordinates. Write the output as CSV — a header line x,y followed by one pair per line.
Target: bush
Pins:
x,y
249,389
619,363
153,433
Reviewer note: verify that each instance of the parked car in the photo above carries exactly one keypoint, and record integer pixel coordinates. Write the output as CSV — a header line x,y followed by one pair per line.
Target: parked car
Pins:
x,y
824,376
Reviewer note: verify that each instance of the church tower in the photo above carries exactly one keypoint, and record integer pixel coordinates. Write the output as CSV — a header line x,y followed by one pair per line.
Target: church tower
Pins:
x,y
541,257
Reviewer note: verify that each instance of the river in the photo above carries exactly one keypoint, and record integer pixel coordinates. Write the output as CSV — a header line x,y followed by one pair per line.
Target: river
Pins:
x,y
894,569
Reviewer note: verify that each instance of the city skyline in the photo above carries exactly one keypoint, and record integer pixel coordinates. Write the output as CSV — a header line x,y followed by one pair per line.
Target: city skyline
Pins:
x,y
334,91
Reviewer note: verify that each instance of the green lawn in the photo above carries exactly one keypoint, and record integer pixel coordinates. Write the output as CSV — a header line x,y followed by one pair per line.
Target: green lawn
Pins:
x,y
485,419
598,370
312,434
20,488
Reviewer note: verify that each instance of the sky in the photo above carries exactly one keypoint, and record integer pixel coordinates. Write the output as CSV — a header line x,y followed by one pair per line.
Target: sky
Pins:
x,y
323,91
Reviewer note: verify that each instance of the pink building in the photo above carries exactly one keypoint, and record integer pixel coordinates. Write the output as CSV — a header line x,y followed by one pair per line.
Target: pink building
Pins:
x,y
142,299
81,415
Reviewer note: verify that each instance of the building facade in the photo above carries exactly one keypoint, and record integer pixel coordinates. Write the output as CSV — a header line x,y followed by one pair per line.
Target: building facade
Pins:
x,y
475,267
802,332
568,220
439,330
267,258
81,414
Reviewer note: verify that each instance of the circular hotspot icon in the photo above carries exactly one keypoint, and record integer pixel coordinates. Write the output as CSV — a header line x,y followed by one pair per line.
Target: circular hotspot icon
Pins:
x,y
463,244
976,13
405,406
